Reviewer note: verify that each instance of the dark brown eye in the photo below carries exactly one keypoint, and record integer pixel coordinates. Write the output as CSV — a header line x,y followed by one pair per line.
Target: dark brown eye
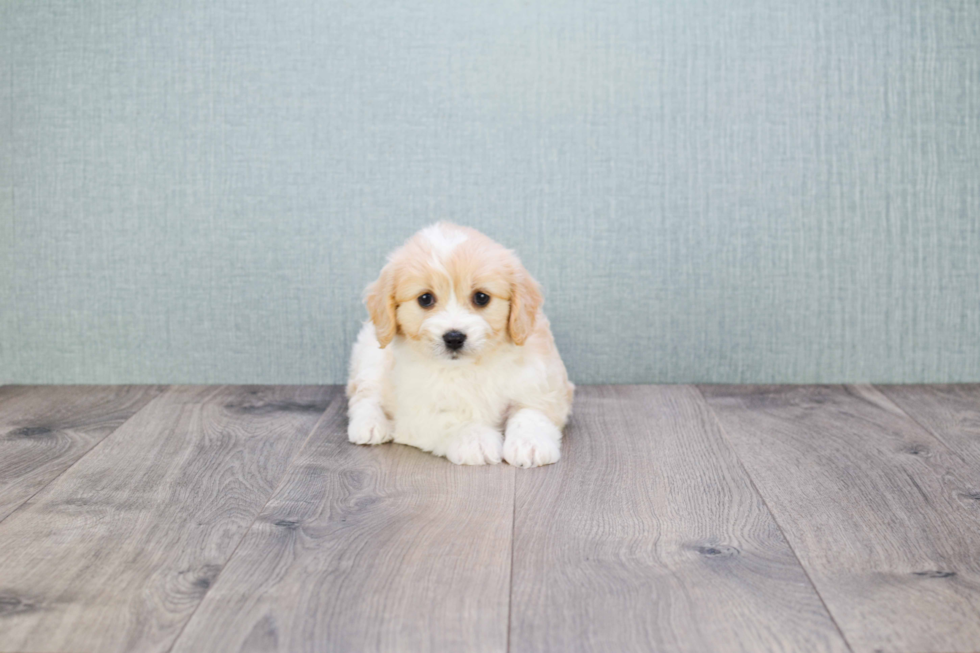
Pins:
x,y
426,300
481,298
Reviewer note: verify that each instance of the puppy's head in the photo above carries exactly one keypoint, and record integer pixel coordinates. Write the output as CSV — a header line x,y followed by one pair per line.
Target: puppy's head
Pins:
x,y
454,294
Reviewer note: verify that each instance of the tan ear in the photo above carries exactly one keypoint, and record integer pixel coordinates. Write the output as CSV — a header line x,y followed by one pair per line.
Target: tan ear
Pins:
x,y
525,300
380,301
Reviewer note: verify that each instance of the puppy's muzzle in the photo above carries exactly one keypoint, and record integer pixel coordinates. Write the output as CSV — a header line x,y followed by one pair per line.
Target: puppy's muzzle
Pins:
x,y
454,340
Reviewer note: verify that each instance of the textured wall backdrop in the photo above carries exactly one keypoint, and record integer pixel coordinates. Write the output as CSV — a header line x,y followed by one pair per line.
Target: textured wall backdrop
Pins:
x,y
717,190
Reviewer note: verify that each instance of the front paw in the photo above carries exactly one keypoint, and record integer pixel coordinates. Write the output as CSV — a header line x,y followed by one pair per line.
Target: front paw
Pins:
x,y
476,445
532,440
369,426
531,451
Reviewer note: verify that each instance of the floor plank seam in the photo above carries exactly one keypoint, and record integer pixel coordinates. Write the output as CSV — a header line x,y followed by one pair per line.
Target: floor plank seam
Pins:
x,y
90,450
782,531
258,514
513,538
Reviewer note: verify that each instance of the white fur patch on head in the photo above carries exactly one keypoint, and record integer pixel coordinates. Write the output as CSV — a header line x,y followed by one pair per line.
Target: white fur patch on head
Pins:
x,y
443,239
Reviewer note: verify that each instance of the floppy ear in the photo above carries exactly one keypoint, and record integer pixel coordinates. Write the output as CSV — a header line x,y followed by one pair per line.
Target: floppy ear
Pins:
x,y
525,300
380,301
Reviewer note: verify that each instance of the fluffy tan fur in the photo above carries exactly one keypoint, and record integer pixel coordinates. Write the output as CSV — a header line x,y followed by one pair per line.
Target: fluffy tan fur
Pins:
x,y
508,376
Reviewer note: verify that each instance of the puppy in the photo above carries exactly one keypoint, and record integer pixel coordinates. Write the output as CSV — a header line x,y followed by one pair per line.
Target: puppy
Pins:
x,y
458,358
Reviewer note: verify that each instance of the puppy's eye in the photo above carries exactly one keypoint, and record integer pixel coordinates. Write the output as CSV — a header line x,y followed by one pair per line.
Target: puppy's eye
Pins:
x,y
426,300
481,298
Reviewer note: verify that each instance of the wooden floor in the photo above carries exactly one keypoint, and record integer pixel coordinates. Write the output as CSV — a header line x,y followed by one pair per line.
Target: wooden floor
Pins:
x,y
719,518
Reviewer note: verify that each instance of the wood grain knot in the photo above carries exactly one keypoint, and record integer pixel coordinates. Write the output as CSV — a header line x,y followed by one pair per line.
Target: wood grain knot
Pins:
x,y
11,605
717,550
31,433
274,407
917,450
934,573
288,524
205,576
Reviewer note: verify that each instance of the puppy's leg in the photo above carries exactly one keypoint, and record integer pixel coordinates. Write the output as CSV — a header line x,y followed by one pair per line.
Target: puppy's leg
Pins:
x,y
532,439
475,444
368,423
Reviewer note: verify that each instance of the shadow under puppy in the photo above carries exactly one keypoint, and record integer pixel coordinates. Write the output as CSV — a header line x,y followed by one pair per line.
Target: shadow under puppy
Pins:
x,y
458,358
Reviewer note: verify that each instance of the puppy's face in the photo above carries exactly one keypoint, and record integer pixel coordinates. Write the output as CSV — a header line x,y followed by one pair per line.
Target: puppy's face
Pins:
x,y
454,295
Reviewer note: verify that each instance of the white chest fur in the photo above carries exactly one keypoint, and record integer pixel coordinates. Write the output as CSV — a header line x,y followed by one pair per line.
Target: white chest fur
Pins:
x,y
430,400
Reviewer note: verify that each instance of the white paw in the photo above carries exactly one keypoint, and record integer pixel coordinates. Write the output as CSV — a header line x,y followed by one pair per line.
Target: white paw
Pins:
x,y
531,451
532,440
476,445
369,425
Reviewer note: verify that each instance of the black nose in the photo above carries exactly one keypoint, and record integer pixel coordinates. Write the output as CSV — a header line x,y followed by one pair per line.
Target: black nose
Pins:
x,y
454,339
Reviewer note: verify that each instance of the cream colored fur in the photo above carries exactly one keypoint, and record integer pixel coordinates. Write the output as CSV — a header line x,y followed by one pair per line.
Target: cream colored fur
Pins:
x,y
504,396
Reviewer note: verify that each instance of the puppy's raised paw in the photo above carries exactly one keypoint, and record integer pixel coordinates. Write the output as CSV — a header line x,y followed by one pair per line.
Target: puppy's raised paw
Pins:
x,y
369,425
476,445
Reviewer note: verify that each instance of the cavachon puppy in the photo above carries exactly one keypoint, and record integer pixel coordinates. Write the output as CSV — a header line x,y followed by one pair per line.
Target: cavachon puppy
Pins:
x,y
458,358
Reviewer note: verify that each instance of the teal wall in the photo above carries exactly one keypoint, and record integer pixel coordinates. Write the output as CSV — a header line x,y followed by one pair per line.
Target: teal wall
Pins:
x,y
712,191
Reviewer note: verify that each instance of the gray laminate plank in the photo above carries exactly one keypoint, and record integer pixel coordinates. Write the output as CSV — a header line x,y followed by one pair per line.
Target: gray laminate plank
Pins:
x,y
45,429
7,391
648,536
379,548
117,553
872,504
950,412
